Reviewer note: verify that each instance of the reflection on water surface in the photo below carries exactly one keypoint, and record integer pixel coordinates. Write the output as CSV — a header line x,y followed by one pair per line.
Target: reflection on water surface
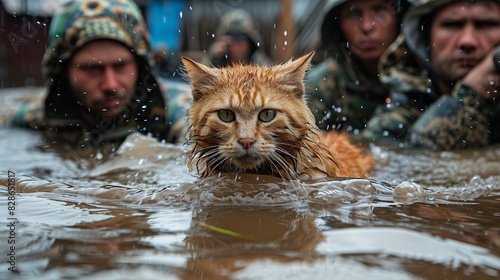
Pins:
x,y
138,212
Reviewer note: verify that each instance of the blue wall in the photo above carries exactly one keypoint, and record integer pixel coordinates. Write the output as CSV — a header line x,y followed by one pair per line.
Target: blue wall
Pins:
x,y
164,23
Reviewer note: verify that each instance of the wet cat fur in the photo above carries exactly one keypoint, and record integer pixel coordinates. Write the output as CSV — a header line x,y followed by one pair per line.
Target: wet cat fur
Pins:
x,y
252,119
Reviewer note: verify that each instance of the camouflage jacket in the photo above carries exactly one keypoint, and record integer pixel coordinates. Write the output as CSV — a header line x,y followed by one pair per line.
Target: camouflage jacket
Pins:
x,y
341,97
30,113
417,115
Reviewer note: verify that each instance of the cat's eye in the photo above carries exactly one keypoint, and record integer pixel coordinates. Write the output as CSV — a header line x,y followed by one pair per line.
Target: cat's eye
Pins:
x,y
226,115
267,115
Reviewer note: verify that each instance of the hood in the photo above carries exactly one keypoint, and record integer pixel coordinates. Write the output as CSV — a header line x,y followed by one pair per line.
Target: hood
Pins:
x,y
330,26
416,21
239,22
78,22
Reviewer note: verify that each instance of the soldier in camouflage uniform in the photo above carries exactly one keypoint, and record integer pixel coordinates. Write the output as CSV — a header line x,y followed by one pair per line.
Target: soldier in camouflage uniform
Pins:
x,y
75,24
345,88
237,40
451,104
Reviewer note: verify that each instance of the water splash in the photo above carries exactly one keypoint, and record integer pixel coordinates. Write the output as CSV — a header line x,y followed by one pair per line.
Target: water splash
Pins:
x,y
409,192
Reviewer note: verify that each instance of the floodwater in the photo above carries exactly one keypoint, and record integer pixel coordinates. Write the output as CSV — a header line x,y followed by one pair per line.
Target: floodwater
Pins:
x,y
139,214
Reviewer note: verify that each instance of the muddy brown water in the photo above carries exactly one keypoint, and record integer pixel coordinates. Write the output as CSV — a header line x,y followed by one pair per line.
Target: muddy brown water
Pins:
x,y
139,214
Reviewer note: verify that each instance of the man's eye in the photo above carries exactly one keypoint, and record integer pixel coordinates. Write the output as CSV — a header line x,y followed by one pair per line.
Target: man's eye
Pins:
x,y
452,24
120,65
89,67
487,24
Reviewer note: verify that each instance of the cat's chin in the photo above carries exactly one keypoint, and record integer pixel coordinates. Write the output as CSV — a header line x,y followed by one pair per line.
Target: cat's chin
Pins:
x,y
246,162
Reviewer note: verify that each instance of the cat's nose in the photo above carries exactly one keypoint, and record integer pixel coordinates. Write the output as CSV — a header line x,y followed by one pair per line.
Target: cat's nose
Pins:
x,y
246,142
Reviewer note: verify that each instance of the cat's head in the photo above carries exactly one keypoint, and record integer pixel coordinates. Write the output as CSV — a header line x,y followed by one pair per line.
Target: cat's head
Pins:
x,y
246,118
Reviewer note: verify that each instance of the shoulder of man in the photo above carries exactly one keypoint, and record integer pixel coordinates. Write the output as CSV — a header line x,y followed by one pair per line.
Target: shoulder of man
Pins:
x,y
321,72
261,58
401,71
26,110
178,98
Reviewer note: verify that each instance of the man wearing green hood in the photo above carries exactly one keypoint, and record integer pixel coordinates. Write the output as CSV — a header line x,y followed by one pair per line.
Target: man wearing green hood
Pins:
x,y
444,84
237,41
345,88
100,81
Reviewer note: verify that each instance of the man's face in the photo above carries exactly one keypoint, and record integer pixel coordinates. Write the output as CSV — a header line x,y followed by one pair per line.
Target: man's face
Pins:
x,y
461,35
103,75
369,27
239,49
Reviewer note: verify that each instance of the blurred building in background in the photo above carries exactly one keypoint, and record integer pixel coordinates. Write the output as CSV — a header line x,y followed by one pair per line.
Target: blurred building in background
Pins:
x,y
289,28
23,38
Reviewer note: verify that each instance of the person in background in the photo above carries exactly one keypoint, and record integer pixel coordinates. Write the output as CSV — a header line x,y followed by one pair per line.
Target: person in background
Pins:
x,y
449,98
344,89
99,77
237,41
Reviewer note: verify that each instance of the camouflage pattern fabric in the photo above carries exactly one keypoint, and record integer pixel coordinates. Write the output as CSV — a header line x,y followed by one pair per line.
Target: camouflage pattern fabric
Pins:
x,y
178,94
340,101
30,111
341,96
417,115
76,23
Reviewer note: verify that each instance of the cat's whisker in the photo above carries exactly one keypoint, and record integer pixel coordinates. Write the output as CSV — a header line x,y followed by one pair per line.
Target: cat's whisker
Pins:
x,y
200,156
291,175
284,166
293,158
211,160
216,162
273,166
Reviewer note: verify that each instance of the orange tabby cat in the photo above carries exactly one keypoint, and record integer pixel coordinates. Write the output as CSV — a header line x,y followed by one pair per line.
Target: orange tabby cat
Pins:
x,y
251,119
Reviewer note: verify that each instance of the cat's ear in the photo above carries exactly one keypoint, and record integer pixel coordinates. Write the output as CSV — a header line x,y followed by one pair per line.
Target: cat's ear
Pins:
x,y
295,72
298,67
198,74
